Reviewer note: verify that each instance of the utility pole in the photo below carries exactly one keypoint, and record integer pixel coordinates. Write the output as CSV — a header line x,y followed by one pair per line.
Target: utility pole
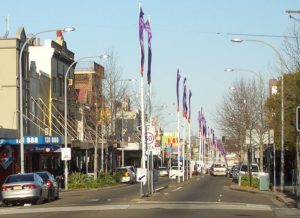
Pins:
x,y
96,144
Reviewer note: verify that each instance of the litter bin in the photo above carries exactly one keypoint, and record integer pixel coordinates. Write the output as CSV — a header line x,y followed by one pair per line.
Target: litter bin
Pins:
x,y
264,181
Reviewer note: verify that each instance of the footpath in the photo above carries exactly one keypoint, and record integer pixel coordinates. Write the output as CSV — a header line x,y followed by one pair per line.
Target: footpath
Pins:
x,y
287,197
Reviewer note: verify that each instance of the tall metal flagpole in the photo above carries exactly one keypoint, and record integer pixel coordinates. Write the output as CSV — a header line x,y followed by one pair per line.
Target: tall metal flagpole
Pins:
x,y
204,149
183,150
143,122
199,150
190,151
178,144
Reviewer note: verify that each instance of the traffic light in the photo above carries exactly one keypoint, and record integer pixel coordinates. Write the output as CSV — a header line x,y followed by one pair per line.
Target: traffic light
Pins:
x,y
298,118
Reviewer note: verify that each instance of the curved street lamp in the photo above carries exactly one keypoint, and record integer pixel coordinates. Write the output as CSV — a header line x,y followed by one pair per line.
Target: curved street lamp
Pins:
x,y
238,40
67,29
242,70
66,114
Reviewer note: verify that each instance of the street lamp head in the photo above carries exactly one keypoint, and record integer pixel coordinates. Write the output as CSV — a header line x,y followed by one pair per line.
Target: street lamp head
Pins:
x,y
236,40
68,29
104,56
132,80
229,69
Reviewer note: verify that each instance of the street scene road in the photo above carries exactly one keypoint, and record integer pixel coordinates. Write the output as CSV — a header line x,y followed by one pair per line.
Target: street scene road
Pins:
x,y
202,196
150,108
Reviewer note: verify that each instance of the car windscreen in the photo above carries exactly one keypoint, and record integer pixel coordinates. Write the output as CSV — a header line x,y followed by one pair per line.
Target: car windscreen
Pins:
x,y
20,178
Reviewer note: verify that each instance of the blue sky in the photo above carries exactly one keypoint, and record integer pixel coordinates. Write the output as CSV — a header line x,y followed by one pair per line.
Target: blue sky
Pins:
x,y
184,36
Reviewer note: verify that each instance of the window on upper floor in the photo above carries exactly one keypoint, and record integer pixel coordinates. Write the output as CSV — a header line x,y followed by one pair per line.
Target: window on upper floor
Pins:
x,y
61,86
53,85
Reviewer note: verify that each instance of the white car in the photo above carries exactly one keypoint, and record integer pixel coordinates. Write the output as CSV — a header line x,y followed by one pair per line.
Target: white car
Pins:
x,y
254,169
174,172
163,171
218,169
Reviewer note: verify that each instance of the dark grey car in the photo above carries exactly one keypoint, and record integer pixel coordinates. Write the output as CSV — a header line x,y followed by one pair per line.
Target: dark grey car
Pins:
x,y
52,184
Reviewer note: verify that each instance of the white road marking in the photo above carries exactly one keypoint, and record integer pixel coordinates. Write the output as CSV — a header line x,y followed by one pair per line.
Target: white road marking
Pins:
x,y
176,189
158,189
142,206
93,200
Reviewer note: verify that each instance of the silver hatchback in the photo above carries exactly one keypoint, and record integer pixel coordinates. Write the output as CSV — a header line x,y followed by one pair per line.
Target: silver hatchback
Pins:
x,y
23,188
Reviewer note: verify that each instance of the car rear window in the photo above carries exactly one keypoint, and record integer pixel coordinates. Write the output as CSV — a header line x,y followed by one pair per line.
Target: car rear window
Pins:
x,y
20,178
44,176
244,168
254,168
219,165
121,170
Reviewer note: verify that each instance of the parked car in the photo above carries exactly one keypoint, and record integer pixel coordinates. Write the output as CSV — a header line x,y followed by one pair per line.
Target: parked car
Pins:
x,y
175,172
52,184
127,175
254,169
22,188
234,173
132,168
218,169
163,171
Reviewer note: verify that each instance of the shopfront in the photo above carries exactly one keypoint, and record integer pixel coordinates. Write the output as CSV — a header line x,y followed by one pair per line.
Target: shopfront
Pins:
x,y
40,153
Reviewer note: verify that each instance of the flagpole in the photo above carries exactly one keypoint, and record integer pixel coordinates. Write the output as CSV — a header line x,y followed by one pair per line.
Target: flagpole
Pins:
x,y
178,145
142,113
200,151
190,152
183,149
204,150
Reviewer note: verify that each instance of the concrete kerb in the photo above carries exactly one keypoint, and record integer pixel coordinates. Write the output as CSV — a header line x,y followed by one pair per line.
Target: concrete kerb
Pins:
x,y
287,200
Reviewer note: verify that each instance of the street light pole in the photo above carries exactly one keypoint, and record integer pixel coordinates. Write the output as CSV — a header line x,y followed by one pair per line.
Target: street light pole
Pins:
x,y
66,111
68,29
282,104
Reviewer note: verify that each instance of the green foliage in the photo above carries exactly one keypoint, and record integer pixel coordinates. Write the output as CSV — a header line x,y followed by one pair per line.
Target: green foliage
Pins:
x,y
82,181
291,101
245,181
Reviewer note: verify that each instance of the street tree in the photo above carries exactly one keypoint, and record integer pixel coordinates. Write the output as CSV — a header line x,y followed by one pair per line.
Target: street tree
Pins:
x,y
242,110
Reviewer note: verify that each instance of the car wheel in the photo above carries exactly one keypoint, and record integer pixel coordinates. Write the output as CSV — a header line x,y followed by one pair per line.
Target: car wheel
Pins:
x,y
39,200
5,204
48,199
57,194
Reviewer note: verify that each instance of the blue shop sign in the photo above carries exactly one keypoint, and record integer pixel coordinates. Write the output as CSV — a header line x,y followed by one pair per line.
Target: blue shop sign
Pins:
x,y
34,140
43,148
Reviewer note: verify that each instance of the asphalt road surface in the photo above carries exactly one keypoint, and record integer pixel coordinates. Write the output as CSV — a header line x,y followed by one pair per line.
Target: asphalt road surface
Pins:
x,y
203,196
